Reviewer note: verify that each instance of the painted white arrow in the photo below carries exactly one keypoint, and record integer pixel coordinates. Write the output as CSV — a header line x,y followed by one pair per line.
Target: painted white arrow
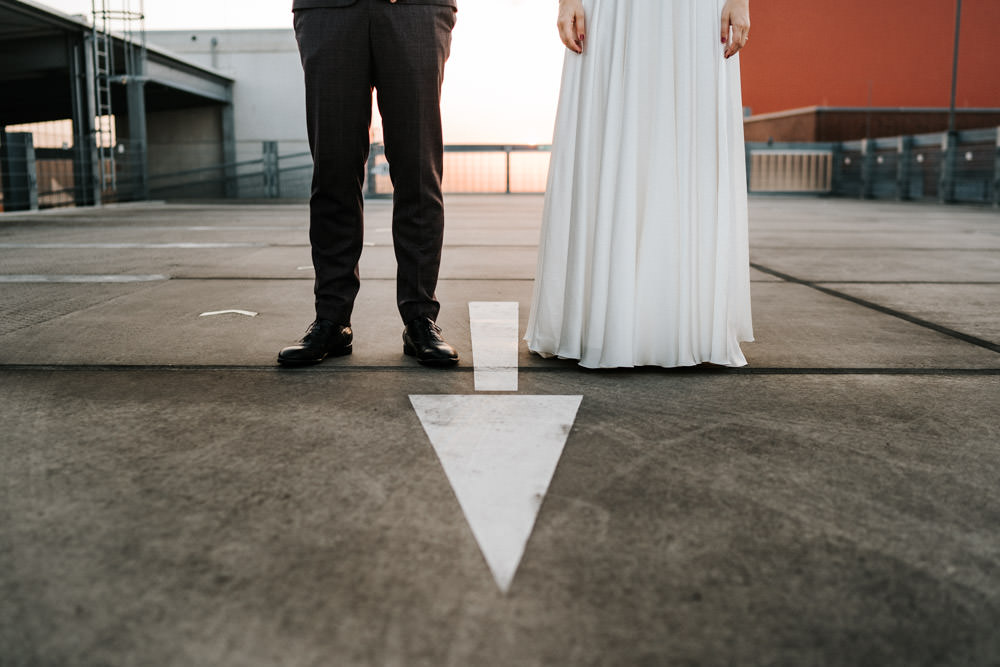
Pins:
x,y
498,452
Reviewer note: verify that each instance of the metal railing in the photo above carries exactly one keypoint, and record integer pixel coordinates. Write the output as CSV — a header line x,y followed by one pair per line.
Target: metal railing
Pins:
x,y
904,168
929,166
475,169
46,177
270,176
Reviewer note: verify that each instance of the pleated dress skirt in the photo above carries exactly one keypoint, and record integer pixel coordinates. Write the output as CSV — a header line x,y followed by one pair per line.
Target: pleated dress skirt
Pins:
x,y
643,258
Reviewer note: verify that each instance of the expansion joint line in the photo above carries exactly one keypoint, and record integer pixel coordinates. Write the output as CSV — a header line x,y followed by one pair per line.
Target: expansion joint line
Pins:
x,y
562,369
912,319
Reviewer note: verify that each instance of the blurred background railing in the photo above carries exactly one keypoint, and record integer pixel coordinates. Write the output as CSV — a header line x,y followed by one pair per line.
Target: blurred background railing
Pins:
x,y
923,167
470,169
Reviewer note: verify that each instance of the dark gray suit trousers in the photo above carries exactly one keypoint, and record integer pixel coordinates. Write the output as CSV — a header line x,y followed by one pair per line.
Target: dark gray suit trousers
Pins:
x,y
348,48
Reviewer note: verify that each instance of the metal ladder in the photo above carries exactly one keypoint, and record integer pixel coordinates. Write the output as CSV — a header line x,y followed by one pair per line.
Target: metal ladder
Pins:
x,y
113,16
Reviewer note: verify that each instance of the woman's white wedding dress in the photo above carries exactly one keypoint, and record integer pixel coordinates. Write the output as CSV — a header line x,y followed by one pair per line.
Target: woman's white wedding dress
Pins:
x,y
643,258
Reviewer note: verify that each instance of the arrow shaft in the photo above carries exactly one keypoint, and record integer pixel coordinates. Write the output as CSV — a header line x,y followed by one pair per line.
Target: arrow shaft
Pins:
x,y
494,330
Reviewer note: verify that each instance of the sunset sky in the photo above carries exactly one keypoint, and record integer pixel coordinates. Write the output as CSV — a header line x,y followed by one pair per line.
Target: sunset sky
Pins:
x,y
501,82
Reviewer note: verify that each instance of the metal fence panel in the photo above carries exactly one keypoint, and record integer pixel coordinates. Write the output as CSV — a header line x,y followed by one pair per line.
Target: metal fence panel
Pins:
x,y
791,170
974,172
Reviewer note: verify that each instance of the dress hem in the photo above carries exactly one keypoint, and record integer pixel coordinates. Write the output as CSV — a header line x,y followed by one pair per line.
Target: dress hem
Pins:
x,y
692,364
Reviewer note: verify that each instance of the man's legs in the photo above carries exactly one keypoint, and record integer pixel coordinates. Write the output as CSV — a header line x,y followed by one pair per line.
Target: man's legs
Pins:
x,y
335,50
410,44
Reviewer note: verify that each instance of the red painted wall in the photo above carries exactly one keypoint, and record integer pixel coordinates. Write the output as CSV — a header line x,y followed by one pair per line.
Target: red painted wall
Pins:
x,y
807,52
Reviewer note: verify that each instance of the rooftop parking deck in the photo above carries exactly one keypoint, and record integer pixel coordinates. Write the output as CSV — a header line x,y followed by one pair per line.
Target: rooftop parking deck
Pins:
x,y
172,497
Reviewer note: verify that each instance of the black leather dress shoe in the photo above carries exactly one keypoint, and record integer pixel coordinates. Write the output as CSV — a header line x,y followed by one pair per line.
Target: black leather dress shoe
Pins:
x,y
422,339
323,339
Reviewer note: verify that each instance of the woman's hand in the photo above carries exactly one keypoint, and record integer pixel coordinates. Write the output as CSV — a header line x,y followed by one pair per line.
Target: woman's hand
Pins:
x,y
735,26
572,24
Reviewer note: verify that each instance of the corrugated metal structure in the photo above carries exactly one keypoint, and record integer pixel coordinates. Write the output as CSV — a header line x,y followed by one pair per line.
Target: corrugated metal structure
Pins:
x,y
78,100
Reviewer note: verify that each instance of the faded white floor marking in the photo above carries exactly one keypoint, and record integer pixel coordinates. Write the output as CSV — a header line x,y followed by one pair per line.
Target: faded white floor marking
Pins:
x,y
248,313
494,328
499,453
38,278
121,246
225,228
206,228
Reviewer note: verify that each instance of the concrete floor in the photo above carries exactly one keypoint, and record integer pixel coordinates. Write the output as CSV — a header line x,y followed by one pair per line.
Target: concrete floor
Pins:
x,y
170,497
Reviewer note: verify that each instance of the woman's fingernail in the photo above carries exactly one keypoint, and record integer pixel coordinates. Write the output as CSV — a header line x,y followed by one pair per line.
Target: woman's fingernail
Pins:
x,y
581,36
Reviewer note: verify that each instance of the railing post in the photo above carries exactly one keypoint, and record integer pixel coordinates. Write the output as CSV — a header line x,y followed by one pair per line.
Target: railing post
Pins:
x,y
949,150
903,167
748,156
868,168
370,172
507,150
230,185
836,164
996,172
272,187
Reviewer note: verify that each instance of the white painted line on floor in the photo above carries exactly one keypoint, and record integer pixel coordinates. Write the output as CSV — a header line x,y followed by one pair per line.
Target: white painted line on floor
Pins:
x,y
499,453
494,328
37,278
120,246
203,228
248,313
240,228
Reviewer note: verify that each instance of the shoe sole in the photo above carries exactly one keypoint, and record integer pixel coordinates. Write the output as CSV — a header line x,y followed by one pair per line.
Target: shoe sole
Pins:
x,y
434,363
340,352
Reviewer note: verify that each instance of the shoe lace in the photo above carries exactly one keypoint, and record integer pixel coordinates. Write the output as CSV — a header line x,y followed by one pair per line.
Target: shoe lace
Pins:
x,y
428,328
315,327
